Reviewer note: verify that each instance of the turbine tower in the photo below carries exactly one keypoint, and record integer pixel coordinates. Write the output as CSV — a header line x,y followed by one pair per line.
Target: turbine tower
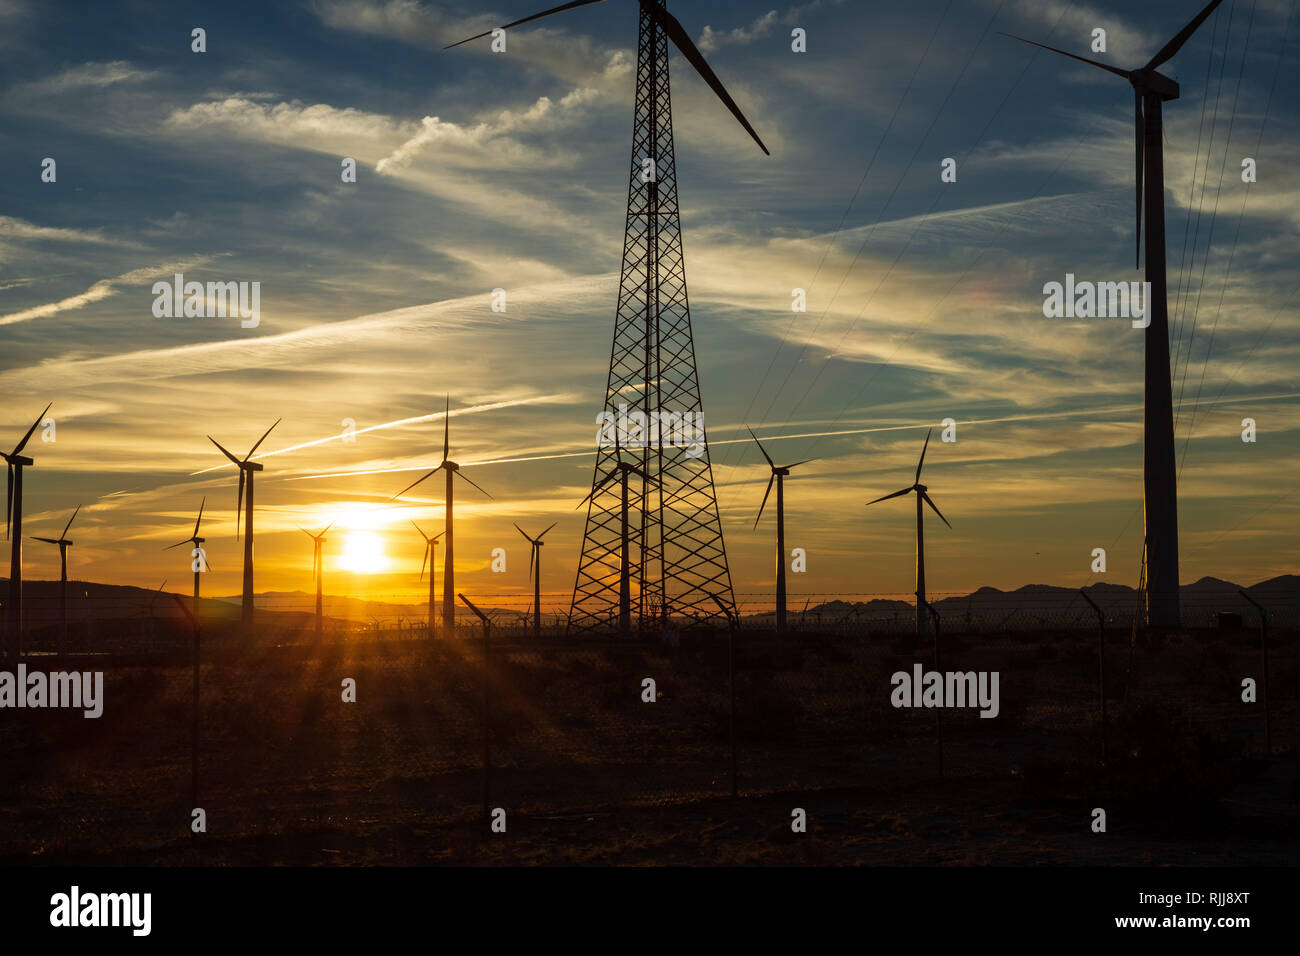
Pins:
x,y
676,529
15,462
429,544
619,476
779,474
63,543
318,572
1159,464
449,562
535,572
200,559
921,496
247,469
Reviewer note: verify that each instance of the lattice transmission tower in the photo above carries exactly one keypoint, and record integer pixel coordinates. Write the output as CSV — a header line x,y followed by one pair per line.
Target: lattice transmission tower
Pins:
x,y
674,562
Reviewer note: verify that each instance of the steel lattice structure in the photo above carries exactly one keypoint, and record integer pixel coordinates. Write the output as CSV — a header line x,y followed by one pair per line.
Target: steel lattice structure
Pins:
x,y
677,557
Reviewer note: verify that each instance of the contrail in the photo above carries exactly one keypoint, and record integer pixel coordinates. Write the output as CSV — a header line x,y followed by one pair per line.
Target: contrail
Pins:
x,y
826,434
395,424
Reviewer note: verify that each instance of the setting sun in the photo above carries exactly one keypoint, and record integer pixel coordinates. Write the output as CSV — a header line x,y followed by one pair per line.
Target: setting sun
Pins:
x,y
363,553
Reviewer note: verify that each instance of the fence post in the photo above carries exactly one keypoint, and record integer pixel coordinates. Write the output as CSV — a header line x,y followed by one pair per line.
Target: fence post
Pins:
x,y
1263,653
194,720
1101,668
732,624
487,707
938,666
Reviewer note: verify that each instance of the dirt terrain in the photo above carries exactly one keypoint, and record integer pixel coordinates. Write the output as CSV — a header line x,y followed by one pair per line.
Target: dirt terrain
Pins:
x,y
589,772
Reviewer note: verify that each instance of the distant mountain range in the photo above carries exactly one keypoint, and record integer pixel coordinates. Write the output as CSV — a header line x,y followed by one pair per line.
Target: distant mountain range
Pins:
x,y
1044,604
1031,605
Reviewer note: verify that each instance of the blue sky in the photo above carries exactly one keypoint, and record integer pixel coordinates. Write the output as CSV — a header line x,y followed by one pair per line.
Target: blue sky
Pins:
x,y
479,171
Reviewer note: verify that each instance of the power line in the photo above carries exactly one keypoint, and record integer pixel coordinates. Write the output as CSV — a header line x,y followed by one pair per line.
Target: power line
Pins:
x,y
847,209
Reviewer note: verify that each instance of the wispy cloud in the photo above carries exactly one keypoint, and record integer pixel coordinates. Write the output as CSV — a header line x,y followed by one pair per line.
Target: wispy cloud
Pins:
x,y
102,290
79,79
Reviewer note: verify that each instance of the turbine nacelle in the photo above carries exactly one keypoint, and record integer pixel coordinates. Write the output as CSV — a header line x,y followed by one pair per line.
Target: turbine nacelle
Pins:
x,y
446,464
1149,81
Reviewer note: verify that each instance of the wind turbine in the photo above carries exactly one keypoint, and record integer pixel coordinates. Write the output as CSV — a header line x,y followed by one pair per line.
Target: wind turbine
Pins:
x,y
153,625
63,543
535,557
779,474
247,469
318,571
15,462
200,560
620,471
921,495
449,562
429,544
1159,466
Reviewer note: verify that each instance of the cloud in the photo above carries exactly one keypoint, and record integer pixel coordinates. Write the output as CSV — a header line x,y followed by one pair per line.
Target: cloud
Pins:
x,y
12,228
78,79
101,290
403,20
711,39
490,137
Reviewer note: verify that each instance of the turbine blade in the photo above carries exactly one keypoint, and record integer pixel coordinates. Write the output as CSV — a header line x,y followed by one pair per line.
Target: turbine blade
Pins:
x,y
262,439
1139,142
522,531
428,546
69,524
543,534
641,474
770,481
770,462
200,517
597,487
1173,46
471,481
330,525
1105,66
446,431
926,499
306,532
683,42
46,540
22,444
223,450
178,544
9,495
535,16
922,461
416,482
804,462
421,530
532,553
896,494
